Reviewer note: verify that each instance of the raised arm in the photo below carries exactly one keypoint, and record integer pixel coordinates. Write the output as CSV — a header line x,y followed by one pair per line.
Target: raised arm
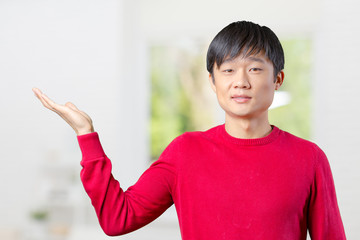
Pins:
x,y
118,211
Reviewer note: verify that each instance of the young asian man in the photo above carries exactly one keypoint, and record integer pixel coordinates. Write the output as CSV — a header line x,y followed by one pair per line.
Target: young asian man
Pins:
x,y
245,179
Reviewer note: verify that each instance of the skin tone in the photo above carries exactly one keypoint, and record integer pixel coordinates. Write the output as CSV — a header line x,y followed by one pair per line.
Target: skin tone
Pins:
x,y
245,89
78,120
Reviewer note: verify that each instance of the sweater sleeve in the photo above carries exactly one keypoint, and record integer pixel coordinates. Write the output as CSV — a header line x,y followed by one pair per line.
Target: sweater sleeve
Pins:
x,y
324,220
120,212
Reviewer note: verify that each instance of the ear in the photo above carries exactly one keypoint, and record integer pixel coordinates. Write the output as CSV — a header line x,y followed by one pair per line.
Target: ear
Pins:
x,y
279,79
212,82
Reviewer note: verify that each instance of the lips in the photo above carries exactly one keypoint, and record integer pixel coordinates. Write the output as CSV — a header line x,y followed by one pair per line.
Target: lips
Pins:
x,y
242,98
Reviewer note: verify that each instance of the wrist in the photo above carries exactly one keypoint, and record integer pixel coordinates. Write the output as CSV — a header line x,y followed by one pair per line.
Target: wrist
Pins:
x,y
85,131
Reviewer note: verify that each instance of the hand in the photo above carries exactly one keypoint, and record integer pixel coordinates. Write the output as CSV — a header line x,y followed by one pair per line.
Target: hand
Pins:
x,y
78,120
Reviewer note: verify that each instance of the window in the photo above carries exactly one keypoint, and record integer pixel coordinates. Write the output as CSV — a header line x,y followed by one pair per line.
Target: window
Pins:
x,y
182,100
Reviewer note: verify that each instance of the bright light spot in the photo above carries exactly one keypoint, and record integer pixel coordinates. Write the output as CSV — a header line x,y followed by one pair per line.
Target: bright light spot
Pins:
x,y
281,98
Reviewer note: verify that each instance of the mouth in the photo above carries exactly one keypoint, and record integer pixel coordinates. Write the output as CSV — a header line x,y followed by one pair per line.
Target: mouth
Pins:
x,y
241,98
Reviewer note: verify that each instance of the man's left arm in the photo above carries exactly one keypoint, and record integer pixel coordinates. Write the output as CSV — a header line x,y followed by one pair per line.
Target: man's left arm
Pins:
x,y
324,219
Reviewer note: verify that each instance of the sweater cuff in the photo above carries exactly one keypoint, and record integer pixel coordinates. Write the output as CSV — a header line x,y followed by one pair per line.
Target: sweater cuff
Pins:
x,y
90,146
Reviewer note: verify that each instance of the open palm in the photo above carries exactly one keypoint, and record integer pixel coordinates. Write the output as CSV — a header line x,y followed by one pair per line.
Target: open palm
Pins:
x,y
78,120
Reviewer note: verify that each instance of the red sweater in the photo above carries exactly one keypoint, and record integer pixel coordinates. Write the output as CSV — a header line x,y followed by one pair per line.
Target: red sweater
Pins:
x,y
223,187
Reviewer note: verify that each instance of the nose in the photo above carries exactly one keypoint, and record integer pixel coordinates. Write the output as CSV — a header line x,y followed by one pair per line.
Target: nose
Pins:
x,y
241,81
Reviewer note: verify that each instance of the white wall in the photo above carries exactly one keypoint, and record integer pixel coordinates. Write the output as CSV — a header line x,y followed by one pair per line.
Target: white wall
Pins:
x,y
172,19
336,102
71,51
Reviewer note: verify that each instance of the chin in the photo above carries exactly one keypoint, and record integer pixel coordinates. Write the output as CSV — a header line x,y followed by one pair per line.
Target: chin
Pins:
x,y
247,114
242,115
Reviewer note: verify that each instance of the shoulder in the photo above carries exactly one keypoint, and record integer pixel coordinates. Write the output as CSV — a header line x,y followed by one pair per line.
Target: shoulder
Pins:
x,y
306,154
186,144
302,146
199,136
310,152
194,138
297,142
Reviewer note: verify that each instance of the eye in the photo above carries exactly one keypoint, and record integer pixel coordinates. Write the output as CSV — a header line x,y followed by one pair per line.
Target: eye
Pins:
x,y
255,69
228,70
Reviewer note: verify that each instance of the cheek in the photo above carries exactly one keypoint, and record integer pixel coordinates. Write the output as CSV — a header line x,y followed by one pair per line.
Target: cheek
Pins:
x,y
270,96
222,95
222,88
266,92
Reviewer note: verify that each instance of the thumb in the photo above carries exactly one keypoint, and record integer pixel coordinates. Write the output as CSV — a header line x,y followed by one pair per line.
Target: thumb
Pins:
x,y
72,106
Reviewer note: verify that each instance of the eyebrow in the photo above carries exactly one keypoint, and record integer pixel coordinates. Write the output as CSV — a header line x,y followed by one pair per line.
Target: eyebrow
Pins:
x,y
251,58
255,59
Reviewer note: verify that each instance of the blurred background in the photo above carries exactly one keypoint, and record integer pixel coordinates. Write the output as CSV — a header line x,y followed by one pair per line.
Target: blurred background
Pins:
x,y
138,69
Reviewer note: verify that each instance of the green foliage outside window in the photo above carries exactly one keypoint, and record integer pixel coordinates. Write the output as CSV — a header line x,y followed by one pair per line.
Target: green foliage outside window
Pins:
x,y
295,116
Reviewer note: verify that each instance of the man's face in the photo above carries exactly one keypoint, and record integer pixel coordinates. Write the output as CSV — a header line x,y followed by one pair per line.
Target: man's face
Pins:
x,y
245,86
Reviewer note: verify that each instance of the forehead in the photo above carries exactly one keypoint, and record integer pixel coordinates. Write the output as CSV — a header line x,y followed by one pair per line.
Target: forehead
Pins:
x,y
259,57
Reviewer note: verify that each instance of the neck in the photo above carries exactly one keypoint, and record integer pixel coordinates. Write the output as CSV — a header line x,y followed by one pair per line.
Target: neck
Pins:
x,y
248,128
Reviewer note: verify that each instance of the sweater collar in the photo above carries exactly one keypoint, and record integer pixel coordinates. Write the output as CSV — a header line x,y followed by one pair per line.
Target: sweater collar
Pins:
x,y
249,142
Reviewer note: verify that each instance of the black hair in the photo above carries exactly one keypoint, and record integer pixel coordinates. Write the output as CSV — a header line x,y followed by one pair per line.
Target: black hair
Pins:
x,y
245,38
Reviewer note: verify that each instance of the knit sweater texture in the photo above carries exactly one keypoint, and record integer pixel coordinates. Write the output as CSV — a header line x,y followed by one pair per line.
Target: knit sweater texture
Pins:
x,y
274,188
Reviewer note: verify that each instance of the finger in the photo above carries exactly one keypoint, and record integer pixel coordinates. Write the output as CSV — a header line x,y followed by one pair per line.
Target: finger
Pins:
x,y
37,92
50,102
61,110
44,102
39,95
